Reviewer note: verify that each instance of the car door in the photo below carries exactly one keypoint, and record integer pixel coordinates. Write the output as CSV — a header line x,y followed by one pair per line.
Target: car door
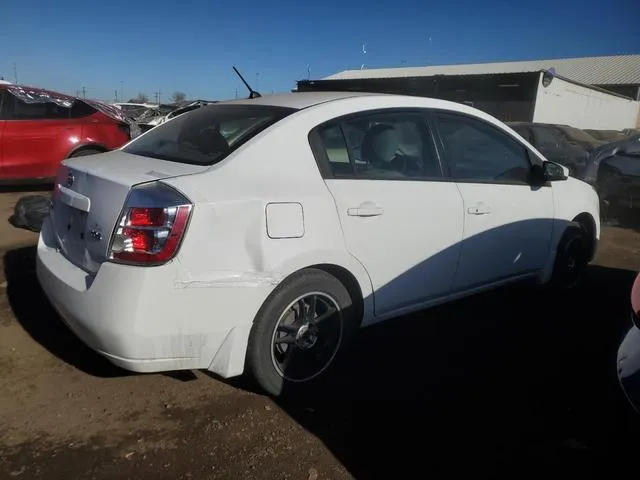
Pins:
x,y
37,136
399,216
507,221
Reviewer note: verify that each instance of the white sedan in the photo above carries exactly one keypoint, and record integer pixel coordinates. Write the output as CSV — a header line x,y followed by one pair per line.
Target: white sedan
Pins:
x,y
258,235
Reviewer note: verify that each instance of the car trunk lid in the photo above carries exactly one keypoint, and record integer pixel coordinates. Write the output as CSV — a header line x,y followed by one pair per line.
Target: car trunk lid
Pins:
x,y
89,195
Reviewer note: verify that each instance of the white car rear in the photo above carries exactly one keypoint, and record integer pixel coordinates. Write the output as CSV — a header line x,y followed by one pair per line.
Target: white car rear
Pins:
x,y
262,233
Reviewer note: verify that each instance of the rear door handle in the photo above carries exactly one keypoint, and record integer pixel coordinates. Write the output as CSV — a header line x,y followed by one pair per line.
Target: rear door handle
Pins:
x,y
479,209
365,210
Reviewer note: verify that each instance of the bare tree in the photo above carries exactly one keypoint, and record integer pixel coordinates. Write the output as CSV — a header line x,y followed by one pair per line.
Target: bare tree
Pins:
x,y
178,97
141,98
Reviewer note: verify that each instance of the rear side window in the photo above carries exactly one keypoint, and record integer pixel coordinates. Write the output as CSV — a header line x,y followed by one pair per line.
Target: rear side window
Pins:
x,y
15,109
206,135
335,147
478,151
80,109
391,146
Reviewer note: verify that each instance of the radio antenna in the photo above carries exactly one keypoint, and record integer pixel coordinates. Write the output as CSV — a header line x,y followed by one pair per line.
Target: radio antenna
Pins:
x,y
252,92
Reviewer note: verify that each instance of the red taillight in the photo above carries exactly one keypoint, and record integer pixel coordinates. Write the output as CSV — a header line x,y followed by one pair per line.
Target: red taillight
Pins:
x,y
151,235
147,217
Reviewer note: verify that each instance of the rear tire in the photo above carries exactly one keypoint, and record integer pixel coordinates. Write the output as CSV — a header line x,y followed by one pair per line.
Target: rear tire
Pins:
x,y
299,332
84,152
572,257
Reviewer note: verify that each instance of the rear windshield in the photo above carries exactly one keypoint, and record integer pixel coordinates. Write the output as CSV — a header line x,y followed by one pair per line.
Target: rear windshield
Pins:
x,y
206,135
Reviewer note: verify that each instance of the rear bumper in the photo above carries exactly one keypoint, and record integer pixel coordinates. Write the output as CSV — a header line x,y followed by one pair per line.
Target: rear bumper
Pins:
x,y
142,320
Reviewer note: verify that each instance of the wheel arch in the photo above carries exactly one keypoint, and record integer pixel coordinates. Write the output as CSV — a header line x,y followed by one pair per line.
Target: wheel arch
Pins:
x,y
87,146
349,280
580,217
587,221
346,269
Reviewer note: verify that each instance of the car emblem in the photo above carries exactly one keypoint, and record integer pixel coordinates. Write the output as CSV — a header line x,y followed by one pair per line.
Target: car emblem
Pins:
x,y
70,179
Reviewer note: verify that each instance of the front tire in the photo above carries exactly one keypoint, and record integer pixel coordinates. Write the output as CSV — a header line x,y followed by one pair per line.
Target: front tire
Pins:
x,y
299,332
572,257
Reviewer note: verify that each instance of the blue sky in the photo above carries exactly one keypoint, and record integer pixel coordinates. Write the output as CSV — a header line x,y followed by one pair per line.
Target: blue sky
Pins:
x,y
190,45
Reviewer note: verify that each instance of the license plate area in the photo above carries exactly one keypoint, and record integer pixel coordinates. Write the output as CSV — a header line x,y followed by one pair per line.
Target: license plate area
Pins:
x,y
71,229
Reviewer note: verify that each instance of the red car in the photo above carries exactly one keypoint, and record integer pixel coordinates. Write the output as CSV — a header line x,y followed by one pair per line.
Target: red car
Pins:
x,y
39,129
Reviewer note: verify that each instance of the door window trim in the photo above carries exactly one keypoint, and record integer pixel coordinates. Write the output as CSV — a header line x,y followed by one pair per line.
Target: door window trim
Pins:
x,y
531,157
426,126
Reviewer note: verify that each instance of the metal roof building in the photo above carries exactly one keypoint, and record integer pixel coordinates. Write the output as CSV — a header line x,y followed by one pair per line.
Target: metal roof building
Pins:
x,y
617,73
590,92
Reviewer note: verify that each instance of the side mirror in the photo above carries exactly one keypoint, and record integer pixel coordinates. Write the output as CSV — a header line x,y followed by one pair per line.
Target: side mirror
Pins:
x,y
553,172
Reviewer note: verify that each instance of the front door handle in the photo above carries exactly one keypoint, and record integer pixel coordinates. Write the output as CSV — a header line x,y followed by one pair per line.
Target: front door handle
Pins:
x,y
365,209
479,209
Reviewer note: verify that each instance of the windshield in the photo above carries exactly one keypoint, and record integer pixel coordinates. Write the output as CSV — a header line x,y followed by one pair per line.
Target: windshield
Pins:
x,y
208,134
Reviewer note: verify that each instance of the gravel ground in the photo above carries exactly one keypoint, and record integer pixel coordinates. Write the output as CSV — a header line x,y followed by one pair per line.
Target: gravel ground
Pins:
x,y
515,383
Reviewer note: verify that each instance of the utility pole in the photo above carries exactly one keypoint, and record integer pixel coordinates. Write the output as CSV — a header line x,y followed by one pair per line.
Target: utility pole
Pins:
x,y
84,92
121,90
116,95
15,73
236,93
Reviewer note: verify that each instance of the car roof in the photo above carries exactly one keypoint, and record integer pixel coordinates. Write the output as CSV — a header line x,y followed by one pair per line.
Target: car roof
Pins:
x,y
361,101
299,100
52,93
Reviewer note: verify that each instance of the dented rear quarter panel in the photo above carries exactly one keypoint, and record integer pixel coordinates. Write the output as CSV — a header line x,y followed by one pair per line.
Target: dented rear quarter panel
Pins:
x,y
227,241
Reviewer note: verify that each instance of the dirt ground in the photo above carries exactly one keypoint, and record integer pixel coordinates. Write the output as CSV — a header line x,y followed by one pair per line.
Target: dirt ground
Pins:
x,y
511,384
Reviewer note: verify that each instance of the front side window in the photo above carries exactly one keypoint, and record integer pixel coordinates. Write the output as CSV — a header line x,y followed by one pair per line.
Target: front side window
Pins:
x,y
390,146
206,135
478,151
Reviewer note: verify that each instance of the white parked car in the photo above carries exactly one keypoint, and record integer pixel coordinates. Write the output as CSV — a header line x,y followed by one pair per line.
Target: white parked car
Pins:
x,y
257,235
